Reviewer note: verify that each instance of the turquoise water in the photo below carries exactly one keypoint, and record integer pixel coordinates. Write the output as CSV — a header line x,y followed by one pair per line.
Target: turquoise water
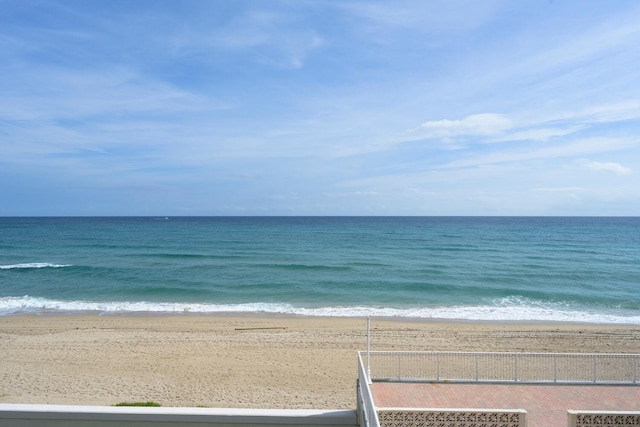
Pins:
x,y
470,268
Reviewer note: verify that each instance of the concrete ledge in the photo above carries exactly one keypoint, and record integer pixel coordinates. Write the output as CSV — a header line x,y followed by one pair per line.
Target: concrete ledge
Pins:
x,y
20,415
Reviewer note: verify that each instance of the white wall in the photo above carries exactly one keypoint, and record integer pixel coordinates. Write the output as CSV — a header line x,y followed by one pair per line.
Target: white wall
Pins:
x,y
14,415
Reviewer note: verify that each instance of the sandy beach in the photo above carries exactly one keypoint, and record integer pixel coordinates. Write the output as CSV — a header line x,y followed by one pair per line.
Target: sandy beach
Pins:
x,y
242,362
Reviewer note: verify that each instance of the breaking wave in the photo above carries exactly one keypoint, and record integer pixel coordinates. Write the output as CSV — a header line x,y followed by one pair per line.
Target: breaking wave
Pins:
x,y
32,265
505,310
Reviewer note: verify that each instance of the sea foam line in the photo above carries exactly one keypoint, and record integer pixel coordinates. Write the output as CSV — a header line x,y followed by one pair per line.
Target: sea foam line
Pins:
x,y
32,265
491,313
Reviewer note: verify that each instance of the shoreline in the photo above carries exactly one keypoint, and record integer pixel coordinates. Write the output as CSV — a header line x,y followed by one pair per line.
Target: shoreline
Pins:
x,y
262,361
269,315
514,311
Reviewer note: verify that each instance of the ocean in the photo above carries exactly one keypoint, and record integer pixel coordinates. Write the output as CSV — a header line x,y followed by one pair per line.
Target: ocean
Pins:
x,y
548,269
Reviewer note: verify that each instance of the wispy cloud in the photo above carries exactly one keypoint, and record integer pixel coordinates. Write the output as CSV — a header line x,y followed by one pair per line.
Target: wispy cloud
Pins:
x,y
493,127
566,150
259,36
433,17
539,134
55,93
612,167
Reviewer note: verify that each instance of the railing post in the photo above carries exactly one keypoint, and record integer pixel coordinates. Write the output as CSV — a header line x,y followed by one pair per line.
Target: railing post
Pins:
x,y
515,368
555,368
368,347
437,366
594,370
476,363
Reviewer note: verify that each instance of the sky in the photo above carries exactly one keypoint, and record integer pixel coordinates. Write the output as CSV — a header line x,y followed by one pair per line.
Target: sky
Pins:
x,y
324,107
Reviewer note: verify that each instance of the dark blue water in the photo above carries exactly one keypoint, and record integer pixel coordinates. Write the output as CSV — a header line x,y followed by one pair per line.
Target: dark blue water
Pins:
x,y
496,268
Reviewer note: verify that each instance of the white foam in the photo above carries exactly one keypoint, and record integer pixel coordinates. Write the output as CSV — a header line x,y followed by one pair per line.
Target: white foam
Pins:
x,y
33,265
512,310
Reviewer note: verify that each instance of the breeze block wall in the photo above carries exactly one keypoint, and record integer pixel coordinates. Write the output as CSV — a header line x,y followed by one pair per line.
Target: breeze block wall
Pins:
x,y
400,417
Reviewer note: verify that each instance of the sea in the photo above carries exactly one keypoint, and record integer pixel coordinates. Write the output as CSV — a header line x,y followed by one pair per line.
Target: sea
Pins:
x,y
506,269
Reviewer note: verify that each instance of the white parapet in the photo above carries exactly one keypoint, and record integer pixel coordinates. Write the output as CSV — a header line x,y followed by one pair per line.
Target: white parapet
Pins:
x,y
22,415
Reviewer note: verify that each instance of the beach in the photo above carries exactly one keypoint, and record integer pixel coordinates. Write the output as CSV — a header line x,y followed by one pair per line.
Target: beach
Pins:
x,y
244,362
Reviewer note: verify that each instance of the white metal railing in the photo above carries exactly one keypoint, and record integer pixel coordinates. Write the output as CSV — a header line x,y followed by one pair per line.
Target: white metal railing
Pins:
x,y
371,416
561,368
367,414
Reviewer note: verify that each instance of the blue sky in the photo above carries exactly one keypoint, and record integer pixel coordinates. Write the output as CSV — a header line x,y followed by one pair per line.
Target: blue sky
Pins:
x,y
333,107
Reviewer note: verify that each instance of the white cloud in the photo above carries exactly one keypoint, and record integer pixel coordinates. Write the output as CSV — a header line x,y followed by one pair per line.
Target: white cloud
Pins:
x,y
473,125
559,189
616,168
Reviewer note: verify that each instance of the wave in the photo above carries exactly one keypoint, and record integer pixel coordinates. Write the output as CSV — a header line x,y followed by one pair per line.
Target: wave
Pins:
x,y
304,267
33,265
503,310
